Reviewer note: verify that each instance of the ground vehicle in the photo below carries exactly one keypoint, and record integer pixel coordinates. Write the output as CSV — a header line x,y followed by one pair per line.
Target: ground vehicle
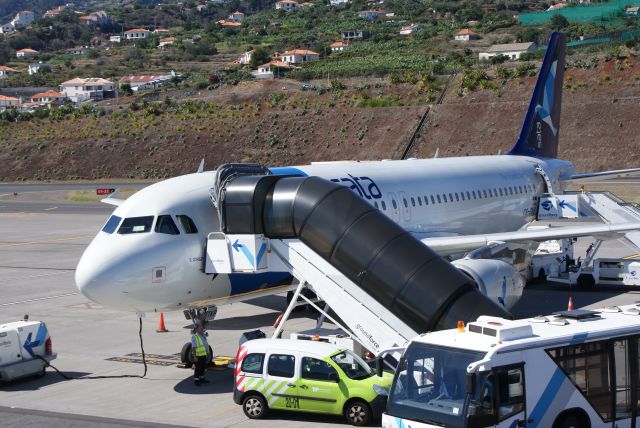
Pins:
x,y
579,368
23,347
307,376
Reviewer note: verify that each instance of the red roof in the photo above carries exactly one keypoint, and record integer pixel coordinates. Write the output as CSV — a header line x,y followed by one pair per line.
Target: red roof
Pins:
x,y
28,50
138,30
466,32
300,52
48,94
3,68
339,45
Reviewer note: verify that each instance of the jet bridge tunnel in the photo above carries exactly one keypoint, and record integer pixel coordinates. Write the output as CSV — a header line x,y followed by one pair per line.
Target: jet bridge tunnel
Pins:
x,y
420,287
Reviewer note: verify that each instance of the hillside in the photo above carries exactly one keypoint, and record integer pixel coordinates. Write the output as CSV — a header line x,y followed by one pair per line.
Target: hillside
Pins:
x,y
277,123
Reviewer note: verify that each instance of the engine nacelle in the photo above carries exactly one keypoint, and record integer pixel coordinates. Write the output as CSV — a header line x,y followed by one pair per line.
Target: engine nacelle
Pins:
x,y
498,280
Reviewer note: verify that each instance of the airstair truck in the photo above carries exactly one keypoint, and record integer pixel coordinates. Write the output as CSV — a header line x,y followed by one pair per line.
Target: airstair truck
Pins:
x,y
25,349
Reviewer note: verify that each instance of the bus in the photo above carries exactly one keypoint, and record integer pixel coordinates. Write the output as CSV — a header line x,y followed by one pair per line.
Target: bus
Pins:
x,y
575,368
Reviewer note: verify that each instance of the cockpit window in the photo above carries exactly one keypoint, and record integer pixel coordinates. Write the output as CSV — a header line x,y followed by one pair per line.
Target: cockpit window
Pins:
x,y
136,225
112,224
166,225
187,224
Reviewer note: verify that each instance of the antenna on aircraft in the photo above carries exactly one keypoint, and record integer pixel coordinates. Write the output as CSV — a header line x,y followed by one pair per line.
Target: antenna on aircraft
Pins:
x,y
499,152
201,167
437,153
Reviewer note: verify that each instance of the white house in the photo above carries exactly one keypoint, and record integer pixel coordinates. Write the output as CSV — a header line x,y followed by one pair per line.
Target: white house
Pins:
x,y
7,71
23,53
23,18
78,50
270,69
339,46
298,56
465,35
48,97
338,2
510,50
286,5
245,59
115,39
6,101
137,33
92,88
409,29
167,41
7,28
37,67
146,82
371,15
236,16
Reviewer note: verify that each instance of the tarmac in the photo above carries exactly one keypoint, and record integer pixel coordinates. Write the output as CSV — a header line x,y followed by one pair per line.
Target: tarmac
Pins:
x,y
39,250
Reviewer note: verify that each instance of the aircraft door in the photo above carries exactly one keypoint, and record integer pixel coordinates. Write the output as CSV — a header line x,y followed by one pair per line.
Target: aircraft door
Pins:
x,y
405,207
395,206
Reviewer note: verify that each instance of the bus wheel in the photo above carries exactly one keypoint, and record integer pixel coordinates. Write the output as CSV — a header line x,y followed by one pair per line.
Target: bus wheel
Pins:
x,y
254,406
357,413
571,419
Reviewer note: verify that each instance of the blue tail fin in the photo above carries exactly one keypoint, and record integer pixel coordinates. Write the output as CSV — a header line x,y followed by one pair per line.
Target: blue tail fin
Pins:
x,y
541,127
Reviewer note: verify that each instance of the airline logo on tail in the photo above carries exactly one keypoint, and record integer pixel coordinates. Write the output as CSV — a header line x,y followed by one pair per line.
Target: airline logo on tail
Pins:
x,y
540,130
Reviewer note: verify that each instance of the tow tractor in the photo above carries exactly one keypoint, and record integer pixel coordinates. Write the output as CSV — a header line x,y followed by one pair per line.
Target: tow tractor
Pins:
x,y
25,349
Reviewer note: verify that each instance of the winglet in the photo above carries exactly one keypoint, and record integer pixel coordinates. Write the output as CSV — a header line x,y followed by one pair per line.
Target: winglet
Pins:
x,y
112,199
201,167
541,127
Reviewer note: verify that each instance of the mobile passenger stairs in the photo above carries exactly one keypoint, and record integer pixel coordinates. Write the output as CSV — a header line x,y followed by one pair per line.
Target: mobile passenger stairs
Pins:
x,y
385,285
602,207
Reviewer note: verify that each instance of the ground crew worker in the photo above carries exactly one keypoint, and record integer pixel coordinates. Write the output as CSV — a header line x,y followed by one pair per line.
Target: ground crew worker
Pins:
x,y
200,352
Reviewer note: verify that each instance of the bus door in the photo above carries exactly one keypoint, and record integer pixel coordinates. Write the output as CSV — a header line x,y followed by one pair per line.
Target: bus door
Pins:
x,y
625,370
501,402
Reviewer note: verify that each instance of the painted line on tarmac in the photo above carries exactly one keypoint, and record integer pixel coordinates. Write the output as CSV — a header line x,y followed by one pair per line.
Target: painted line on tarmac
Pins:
x,y
50,209
41,275
46,241
57,296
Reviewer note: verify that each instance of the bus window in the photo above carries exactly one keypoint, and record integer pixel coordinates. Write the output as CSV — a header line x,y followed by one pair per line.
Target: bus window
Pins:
x,y
510,394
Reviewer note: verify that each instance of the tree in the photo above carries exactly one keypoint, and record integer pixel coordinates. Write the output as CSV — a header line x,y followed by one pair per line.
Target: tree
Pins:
x,y
126,89
260,56
558,22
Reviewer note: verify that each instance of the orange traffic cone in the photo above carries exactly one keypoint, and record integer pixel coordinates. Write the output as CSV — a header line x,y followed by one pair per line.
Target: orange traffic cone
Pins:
x,y
570,305
161,327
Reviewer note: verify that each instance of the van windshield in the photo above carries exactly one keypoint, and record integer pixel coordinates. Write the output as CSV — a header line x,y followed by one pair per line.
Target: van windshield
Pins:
x,y
430,385
352,365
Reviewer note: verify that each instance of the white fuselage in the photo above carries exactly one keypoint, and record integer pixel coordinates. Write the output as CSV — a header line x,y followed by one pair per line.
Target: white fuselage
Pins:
x,y
150,271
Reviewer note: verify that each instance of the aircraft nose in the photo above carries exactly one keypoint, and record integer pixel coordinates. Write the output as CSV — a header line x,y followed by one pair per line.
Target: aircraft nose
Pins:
x,y
95,276
90,282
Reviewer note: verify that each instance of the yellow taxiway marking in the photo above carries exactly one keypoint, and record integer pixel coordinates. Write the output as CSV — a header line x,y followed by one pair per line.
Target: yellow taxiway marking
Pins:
x,y
46,241
632,256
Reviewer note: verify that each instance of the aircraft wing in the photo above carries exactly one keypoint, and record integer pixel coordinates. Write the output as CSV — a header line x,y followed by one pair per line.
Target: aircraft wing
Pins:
x,y
595,176
448,245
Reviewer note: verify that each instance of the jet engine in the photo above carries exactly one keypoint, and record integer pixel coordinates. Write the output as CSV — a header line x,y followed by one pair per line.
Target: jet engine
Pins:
x,y
497,279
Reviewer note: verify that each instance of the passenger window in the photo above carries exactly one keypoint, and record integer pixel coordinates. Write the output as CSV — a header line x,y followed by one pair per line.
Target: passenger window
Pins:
x,y
406,205
457,198
473,192
413,202
439,201
393,202
468,196
510,392
419,201
491,193
433,201
462,195
510,190
112,224
500,190
375,204
166,225
136,225
281,365
252,363
484,193
384,206
450,197
314,369
187,224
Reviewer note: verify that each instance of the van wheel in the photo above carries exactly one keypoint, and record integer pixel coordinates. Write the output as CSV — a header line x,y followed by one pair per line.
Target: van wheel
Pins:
x,y
586,281
254,406
357,413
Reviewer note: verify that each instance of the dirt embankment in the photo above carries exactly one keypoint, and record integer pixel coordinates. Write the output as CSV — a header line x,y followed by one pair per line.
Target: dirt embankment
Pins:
x,y
251,124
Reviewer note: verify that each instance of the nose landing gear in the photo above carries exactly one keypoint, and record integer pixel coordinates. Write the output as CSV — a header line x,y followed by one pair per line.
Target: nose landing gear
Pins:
x,y
204,315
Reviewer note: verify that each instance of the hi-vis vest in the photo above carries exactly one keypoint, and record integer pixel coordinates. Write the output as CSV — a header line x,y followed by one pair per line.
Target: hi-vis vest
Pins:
x,y
201,351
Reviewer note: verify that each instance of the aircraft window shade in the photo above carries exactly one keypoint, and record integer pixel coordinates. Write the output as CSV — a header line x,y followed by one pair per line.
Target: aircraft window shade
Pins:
x,y
450,197
491,193
281,365
462,195
419,200
136,225
439,201
384,206
484,193
510,190
187,224
473,192
393,202
406,204
166,225
457,198
468,196
433,201
375,204
112,224
444,197
413,202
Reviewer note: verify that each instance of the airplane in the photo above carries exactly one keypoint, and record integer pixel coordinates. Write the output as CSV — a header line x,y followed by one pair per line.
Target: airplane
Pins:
x,y
149,256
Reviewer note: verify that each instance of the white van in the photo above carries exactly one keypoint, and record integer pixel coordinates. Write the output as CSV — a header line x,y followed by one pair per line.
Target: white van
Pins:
x,y
307,376
23,347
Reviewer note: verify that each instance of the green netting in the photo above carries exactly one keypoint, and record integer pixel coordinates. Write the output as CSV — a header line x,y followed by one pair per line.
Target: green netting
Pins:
x,y
595,13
